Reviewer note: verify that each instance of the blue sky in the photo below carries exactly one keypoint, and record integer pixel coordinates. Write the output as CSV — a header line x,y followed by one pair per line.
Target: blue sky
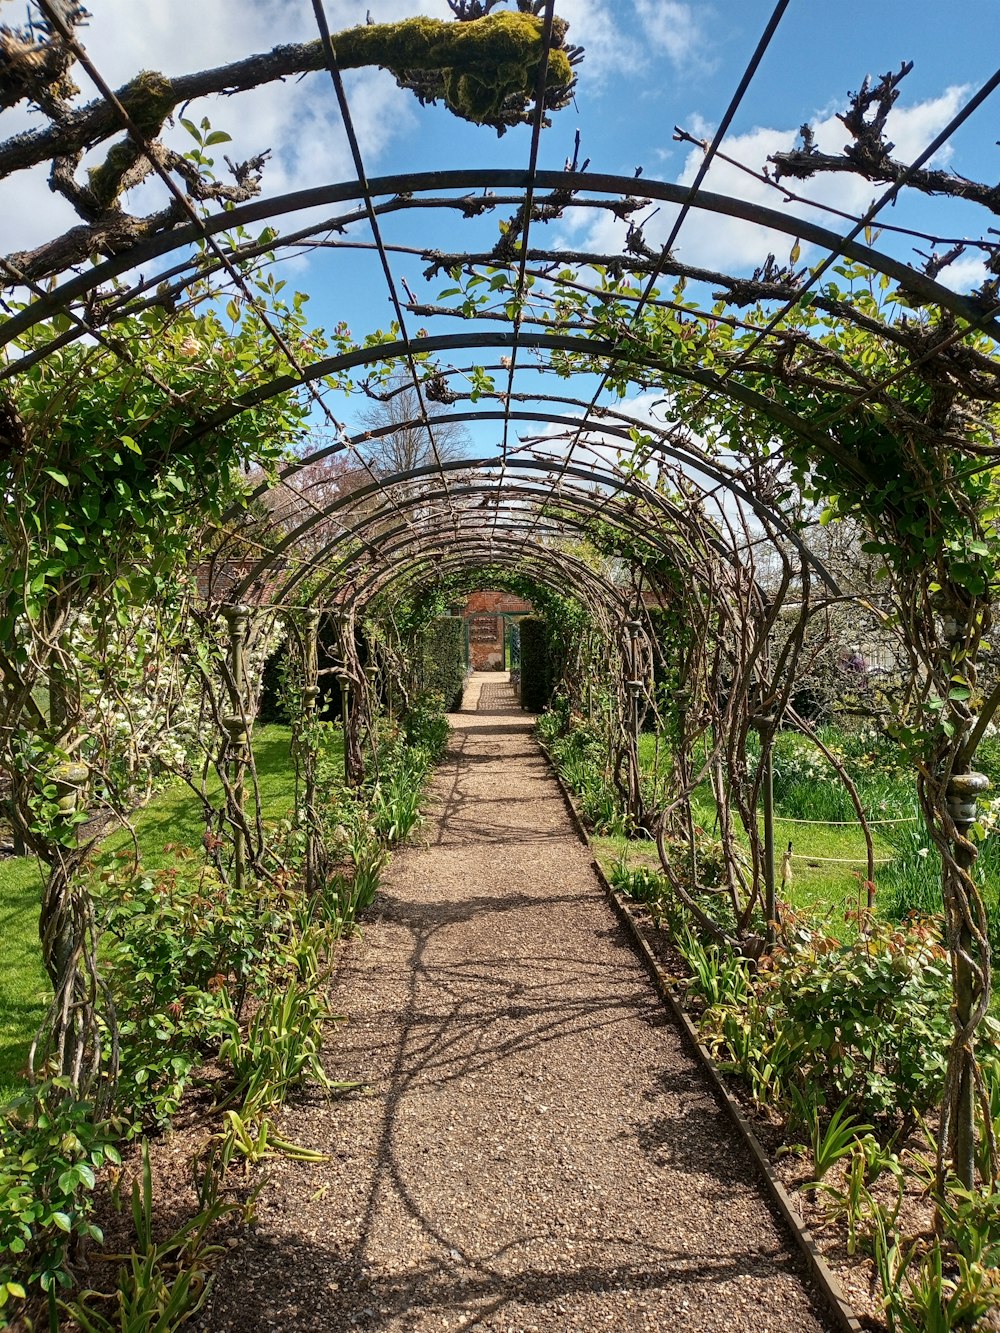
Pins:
x,y
649,64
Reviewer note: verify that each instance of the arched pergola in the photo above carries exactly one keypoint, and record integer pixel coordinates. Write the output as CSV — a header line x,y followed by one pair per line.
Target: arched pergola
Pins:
x,y
786,394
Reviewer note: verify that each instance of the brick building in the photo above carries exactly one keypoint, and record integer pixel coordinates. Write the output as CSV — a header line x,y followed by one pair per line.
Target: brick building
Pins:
x,y
487,615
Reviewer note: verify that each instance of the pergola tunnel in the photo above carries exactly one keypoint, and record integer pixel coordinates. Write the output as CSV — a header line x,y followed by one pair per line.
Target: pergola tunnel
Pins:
x,y
730,528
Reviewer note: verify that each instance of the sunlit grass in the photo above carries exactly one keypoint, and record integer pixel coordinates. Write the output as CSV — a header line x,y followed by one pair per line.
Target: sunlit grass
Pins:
x,y
24,990
828,866
175,817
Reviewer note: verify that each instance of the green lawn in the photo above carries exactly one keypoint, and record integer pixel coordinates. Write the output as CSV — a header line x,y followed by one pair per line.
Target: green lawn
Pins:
x,y
818,888
172,818
828,860
24,989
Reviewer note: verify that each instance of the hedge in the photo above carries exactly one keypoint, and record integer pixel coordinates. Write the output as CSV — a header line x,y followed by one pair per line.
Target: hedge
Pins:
x,y
536,665
443,659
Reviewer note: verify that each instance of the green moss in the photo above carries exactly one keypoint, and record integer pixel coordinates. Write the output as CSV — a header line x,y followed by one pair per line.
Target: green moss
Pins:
x,y
473,67
149,100
105,180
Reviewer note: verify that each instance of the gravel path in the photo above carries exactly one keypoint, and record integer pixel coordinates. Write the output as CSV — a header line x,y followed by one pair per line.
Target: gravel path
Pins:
x,y
535,1149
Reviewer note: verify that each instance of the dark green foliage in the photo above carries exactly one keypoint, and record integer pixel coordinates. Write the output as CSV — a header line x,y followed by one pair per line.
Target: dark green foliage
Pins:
x,y
50,1152
281,678
273,706
443,659
866,1020
536,665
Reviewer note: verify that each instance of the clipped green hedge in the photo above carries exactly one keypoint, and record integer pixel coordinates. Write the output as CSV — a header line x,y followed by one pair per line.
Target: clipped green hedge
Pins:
x,y
443,658
536,665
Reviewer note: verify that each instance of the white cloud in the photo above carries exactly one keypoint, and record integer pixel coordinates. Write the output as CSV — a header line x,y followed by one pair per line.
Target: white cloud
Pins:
x,y
674,30
609,49
965,273
734,246
298,120
621,43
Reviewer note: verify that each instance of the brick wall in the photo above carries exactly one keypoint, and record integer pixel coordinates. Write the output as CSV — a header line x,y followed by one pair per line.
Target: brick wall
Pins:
x,y
483,612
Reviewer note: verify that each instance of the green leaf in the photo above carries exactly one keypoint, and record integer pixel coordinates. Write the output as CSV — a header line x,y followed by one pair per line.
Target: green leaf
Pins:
x,y
60,477
129,443
62,1221
218,136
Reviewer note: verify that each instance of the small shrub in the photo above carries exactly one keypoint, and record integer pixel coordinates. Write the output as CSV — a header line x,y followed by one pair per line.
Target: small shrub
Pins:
x,y
641,883
870,1017
176,942
426,728
50,1153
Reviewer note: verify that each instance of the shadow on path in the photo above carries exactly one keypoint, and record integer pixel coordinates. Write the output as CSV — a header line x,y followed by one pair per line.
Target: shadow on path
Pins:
x,y
534,1148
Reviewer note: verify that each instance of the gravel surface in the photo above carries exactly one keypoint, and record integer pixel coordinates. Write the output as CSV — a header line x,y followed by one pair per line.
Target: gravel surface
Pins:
x,y
534,1148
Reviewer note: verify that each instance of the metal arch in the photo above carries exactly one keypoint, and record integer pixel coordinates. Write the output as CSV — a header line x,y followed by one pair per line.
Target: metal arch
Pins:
x,y
700,463
434,544
473,554
408,184
593,592
438,543
432,470
390,547
595,348
485,465
488,465
432,539
398,350
576,505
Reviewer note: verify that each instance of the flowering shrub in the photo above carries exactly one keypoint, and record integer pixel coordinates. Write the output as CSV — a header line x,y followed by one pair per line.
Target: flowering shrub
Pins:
x,y
806,786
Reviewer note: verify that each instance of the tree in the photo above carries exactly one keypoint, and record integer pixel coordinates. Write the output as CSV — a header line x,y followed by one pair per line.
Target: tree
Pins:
x,y
397,441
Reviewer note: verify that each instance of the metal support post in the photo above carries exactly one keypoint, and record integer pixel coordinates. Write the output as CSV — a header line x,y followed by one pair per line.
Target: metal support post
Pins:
x,y
764,726
635,686
310,695
961,795
237,618
345,700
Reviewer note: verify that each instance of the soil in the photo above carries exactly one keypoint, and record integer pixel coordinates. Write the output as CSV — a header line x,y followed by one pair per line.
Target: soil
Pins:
x,y
533,1148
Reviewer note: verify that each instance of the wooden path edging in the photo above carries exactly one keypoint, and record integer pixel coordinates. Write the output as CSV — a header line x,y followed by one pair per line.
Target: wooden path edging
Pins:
x,y
820,1271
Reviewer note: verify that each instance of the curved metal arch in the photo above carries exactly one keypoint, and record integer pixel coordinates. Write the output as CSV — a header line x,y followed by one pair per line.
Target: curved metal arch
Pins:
x,y
582,500
700,463
402,548
599,594
612,481
400,542
421,183
767,408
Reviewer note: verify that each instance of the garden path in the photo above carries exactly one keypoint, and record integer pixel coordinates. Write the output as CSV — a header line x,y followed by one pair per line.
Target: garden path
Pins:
x,y
535,1148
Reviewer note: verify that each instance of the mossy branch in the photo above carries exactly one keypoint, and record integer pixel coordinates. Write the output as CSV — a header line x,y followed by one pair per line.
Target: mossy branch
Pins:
x,y
484,70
